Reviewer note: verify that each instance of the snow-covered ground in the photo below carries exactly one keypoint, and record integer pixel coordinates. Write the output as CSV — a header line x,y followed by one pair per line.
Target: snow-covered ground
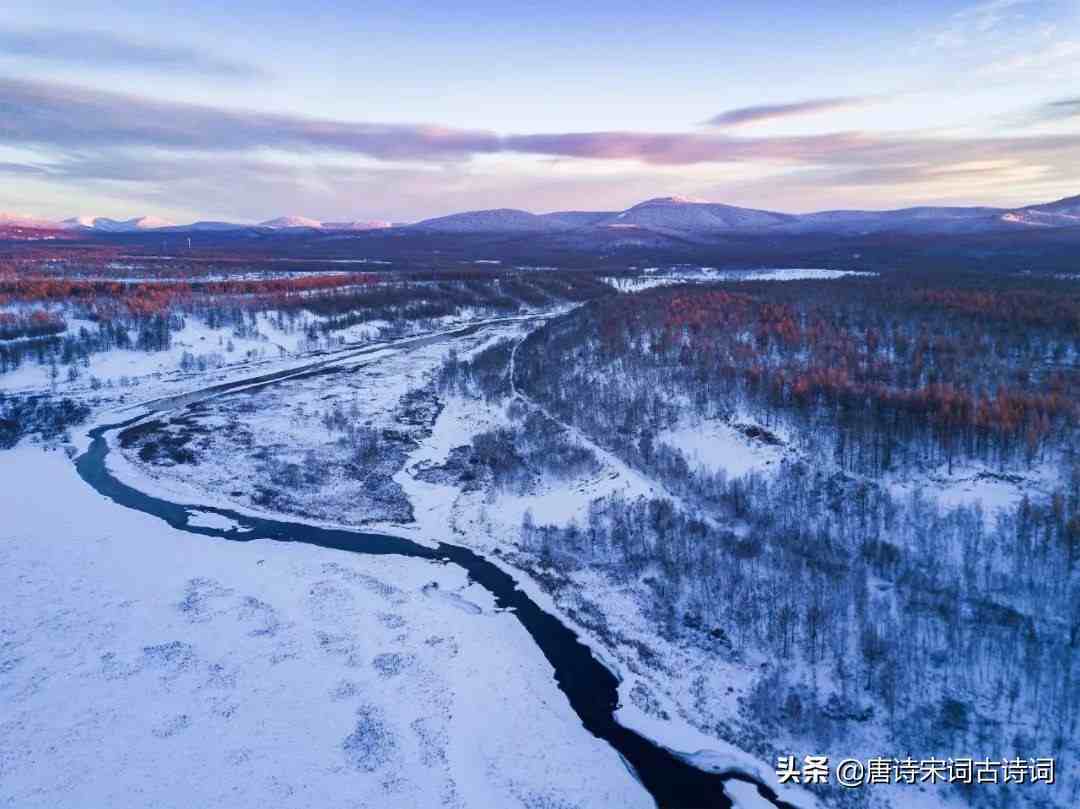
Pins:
x,y
972,484
681,694
264,341
676,697
487,519
216,347
285,418
724,445
720,445
143,666
701,274
243,438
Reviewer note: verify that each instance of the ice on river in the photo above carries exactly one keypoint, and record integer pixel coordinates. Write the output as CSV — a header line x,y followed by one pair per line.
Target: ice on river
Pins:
x,y
208,519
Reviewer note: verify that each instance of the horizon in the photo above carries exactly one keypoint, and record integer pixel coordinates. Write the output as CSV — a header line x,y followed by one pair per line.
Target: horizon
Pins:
x,y
14,215
401,114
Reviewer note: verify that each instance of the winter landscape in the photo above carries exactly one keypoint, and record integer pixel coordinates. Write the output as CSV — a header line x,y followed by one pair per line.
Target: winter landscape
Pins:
x,y
585,434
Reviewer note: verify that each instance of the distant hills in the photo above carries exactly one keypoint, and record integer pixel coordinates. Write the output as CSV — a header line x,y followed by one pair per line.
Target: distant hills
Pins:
x,y
1063,213
302,222
107,225
691,218
679,218
500,220
103,224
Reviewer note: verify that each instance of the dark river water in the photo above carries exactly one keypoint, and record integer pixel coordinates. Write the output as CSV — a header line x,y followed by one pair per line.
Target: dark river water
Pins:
x,y
589,686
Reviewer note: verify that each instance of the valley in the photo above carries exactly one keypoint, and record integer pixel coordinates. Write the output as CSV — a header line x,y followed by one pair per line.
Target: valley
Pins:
x,y
650,458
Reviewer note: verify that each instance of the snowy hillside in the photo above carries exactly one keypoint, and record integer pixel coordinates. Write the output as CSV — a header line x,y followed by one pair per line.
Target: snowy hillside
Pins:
x,y
905,219
1063,213
359,224
693,216
673,216
283,222
690,217
107,225
499,220
578,219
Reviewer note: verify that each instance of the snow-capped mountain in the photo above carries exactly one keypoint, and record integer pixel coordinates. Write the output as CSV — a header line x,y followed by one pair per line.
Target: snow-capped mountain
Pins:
x,y
689,215
208,226
107,225
293,223
360,224
286,222
659,218
680,215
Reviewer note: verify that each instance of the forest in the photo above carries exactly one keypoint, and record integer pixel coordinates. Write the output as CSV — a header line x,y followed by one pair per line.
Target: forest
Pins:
x,y
952,626
902,373
54,316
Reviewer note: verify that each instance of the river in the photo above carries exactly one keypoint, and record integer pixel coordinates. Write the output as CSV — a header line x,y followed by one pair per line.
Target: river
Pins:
x,y
590,687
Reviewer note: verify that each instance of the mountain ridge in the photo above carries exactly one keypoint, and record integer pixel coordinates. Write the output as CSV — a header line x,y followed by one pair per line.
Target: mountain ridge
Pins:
x,y
683,217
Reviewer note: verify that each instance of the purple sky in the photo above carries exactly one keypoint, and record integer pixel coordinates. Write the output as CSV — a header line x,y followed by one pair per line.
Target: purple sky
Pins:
x,y
401,112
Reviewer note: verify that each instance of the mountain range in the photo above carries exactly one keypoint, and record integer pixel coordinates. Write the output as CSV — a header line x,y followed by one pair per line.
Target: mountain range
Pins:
x,y
688,218
674,217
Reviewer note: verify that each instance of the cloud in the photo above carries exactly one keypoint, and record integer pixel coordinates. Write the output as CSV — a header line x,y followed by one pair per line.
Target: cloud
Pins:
x,y
75,119
1059,110
988,15
104,49
239,187
1049,59
206,158
907,175
191,188
23,170
1004,39
66,116
980,21
1063,108
769,112
835,149
683,149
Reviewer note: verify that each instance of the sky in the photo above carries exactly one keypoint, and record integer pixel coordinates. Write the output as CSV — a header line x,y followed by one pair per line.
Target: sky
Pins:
x,y
400,110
